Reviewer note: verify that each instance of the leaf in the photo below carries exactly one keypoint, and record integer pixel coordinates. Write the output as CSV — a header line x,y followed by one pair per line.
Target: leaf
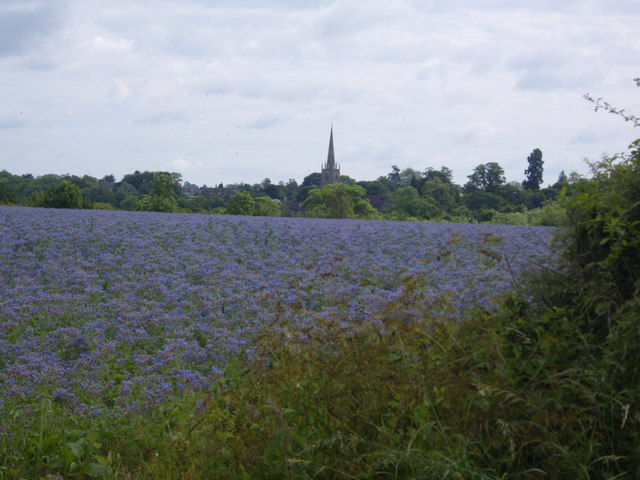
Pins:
x,y
78,448
97,470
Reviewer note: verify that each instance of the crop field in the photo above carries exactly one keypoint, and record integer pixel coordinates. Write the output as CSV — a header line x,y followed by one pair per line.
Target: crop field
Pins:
x,y
102,312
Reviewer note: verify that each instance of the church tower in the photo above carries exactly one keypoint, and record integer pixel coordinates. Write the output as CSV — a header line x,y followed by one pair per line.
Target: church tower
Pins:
x,y
330,171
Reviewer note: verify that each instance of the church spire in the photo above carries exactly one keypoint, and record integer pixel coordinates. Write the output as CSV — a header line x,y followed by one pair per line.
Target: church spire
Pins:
x,y
330,171
331,159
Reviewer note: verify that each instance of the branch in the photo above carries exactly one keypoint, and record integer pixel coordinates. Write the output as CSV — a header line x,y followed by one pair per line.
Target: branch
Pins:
x,y
602,104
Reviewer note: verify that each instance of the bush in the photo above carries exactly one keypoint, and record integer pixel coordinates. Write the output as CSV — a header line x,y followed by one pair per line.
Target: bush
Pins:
x,y
63,195
241,203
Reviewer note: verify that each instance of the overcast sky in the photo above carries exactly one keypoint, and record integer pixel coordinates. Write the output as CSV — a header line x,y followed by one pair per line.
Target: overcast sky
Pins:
x,y
235,91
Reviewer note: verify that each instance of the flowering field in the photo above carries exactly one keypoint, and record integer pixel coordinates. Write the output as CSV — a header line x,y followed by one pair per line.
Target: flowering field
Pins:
x,y
110,311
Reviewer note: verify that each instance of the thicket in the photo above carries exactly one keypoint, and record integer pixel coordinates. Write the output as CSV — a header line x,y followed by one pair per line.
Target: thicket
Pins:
x,y
546,386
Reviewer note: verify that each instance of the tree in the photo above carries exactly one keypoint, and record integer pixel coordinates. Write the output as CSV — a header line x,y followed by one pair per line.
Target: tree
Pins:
x,y
479,200
140,181
290,189
6,193
308,183
375,187
534,171
394,177
514,194
338,201
241,203
313,179
63,195
162,197
488,177
406,203
445,174
442,193
266,207
274,191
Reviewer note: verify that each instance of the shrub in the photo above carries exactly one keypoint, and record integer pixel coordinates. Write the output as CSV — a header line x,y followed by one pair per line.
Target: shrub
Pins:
x,y
63,195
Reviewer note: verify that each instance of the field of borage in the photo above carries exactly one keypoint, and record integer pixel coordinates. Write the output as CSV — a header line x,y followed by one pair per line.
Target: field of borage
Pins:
x,y
106,313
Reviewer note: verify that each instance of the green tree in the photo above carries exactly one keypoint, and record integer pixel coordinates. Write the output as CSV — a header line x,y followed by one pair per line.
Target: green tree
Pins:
x,y
488,177
393,178
126,196
63,195
241,203
375,187
6,193
514,194
274,191
406,203
338,201
534,171
266,207
290,189
162,197
140,181
445,174
313,179
308,183
443,193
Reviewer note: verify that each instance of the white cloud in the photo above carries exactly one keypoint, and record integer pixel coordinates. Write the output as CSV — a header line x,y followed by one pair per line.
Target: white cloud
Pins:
x,y
182,165
119,90
113,44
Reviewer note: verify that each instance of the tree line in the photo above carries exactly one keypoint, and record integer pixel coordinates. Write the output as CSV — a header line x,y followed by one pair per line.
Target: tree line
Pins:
x,y
402,194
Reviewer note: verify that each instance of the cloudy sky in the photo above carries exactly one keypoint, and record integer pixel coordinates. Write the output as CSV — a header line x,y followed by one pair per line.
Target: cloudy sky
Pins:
x,y
234,90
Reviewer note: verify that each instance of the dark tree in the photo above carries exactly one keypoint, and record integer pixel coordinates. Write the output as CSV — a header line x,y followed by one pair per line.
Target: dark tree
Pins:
x,y
445,174
534,171
6,193
375,187
488,177
63,195
394,177
313,179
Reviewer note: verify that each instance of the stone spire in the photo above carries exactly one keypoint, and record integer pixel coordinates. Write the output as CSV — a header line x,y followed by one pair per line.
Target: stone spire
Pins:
x,y
330,171
331,158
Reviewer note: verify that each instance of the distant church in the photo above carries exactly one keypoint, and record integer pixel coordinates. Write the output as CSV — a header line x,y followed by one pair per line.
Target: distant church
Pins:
x,y
330,171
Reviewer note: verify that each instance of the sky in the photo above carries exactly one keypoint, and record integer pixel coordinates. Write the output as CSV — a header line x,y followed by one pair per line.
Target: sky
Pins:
x,y
230,91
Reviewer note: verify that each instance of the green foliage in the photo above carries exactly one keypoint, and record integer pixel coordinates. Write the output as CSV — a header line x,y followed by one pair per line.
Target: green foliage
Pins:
x,y
7,195
406,203
103,206
63,195
375,187
266,207
241,203
442,193
487,177
338,201
604,242
534,170
161,197
162,191
550,215
479,200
